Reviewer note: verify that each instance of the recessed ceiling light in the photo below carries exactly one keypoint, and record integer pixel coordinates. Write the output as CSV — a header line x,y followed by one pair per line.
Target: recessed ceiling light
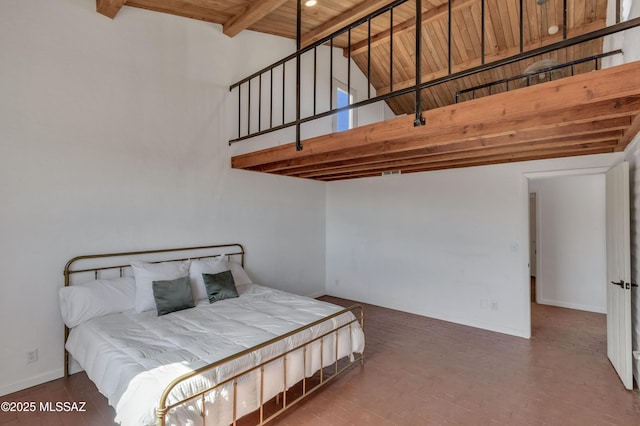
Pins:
x,y
553,29
310,3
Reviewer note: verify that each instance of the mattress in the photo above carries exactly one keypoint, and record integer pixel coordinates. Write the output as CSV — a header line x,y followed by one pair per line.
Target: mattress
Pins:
x,y
132,357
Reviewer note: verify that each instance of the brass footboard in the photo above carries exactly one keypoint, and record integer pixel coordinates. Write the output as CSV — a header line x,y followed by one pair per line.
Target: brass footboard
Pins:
x,y
339,366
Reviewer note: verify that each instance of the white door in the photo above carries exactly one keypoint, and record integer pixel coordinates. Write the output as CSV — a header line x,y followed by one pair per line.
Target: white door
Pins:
x,y
619,273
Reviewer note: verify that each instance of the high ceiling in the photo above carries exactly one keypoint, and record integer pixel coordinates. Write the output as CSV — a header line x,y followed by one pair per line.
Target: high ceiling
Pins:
x,y
592,112
501,35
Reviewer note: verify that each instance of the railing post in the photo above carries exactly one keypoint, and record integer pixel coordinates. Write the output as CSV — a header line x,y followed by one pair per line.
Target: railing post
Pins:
x,y
521,17
298,45
564,19
419,121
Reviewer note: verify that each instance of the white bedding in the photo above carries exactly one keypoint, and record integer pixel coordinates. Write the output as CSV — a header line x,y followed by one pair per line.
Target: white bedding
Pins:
x,y
132,357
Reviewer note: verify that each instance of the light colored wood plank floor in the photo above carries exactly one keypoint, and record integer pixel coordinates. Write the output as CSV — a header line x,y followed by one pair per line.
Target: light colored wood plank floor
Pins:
x,y
421,371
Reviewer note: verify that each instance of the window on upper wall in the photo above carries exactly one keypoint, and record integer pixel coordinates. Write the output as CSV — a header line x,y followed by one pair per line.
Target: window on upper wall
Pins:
x,y
344,120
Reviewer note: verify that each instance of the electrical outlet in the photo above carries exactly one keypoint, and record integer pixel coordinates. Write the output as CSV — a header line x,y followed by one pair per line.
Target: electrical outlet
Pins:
x,y
484,304
32,356
494,305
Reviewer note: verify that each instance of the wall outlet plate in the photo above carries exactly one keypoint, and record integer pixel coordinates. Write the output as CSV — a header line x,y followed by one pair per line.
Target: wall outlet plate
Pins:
x,y
32,356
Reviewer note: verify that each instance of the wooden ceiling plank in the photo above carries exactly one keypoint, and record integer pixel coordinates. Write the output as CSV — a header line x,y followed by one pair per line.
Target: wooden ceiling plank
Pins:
x,y
511,158
471,137
427,17
476,162
608,139
619,82
459,151
629,133
357,12
109,8
256,10
371,155
397,85
184,8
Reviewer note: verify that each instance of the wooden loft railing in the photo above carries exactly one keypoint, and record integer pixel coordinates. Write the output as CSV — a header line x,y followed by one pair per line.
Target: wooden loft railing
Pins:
x,y
267,101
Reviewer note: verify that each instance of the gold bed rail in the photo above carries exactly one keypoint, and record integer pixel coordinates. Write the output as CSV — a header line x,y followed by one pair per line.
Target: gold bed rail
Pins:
x,y
200,252
163,409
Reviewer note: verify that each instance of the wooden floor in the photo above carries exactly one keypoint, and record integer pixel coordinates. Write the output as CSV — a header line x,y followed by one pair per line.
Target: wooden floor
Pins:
x,y
421,371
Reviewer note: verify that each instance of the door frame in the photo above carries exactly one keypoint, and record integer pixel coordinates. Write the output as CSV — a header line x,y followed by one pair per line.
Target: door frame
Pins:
x,y
525,203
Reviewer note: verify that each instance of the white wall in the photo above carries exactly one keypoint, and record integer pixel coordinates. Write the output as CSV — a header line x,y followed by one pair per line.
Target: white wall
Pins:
x,y
113,136
449,244
572,242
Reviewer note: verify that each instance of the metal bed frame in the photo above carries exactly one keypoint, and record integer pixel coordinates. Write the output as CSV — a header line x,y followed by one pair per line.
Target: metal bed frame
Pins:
x,y
98,264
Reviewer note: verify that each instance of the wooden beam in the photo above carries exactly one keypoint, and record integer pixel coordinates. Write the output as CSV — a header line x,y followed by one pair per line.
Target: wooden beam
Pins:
x,y
256,10
480,162
410,24
491,58
620,85
608,140
629,134
541,128
360,11
571,134
109,8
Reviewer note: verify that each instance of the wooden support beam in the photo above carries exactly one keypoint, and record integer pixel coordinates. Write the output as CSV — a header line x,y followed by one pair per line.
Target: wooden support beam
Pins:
x,y
576,134
481,161
592,26
620,85
360,11
410,24
629,134
109,8
256,10
469,138
605,141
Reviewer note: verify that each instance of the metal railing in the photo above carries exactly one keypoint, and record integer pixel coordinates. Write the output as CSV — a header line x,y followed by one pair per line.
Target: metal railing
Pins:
x,y
253,127
547,72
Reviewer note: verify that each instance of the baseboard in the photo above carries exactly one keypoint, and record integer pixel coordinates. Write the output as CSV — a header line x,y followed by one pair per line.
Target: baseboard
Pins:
x,y
577,306
31,381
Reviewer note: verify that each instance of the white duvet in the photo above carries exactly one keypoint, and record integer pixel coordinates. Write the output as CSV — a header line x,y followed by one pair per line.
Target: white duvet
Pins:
x,y
132,357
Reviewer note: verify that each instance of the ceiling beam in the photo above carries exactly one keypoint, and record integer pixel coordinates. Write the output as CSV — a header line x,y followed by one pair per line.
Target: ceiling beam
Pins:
x,y
360,11
481,161
452,159
574,122
410,24
109,8
525,108
629,134
574,133
592,26
256,10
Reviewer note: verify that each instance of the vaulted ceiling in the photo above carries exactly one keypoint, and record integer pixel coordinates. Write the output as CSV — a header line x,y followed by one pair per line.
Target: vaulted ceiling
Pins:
x,y
501,35
598,112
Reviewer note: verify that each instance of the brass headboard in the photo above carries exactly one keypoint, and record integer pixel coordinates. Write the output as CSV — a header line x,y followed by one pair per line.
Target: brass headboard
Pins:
x,y
113,262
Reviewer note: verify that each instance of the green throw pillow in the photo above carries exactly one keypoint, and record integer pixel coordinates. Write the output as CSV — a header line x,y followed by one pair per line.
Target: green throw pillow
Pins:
x,y
172,295
220,286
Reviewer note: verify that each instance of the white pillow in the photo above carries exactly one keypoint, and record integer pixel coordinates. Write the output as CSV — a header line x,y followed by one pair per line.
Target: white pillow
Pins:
x,y
81,302
205,266
146,273
240,277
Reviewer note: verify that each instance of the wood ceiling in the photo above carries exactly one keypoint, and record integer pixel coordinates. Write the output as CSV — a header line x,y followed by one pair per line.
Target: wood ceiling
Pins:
x,y
502,34
529,123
